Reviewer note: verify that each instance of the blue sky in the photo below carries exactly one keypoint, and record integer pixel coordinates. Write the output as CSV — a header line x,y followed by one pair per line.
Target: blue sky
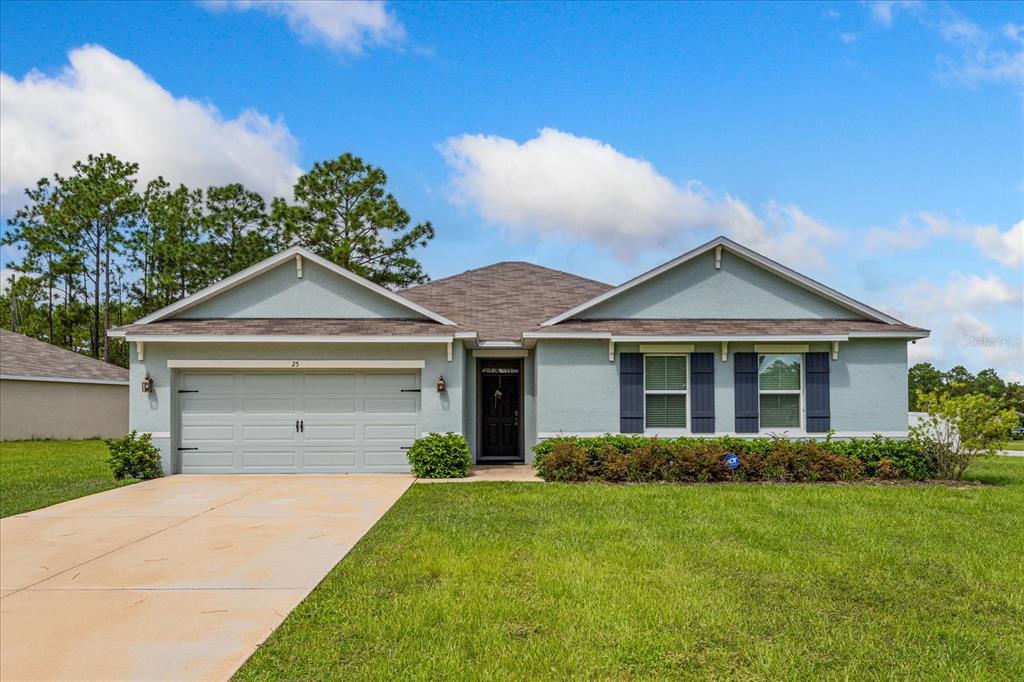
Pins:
x,y
878,147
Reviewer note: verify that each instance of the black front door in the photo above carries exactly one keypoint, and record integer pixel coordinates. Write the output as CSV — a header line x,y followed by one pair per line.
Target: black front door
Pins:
x,y
500,391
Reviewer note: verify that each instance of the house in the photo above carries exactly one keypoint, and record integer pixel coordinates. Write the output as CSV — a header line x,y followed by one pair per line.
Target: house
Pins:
x,y
296,364
49,392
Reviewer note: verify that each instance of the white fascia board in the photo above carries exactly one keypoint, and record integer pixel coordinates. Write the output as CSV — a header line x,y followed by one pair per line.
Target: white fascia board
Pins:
x,y
500,344
685,338
117,333
64,380
296,364
151,338
891,335
744,252
272,262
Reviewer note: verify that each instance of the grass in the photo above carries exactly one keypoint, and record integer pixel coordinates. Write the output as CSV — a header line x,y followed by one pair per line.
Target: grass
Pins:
x,y
501,581
38,473
1017,445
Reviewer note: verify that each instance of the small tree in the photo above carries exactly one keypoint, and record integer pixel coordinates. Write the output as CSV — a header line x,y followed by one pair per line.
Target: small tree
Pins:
x,y
959,429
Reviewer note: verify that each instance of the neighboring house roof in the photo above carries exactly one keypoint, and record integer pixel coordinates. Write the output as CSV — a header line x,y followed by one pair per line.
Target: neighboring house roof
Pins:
x,y
503,300
22,357
274,261
725,327
289,327
729,245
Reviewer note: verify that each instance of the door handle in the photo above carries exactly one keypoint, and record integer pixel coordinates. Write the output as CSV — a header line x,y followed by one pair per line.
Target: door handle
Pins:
x,y
296,426
302,426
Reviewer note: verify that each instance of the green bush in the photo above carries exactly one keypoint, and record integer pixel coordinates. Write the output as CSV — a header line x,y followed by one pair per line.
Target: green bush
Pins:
x,y
638,459
438,455
134,456
565,462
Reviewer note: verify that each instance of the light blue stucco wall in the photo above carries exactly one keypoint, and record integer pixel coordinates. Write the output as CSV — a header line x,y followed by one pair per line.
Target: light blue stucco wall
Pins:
x,y
740,290
157,411
578,390
279,292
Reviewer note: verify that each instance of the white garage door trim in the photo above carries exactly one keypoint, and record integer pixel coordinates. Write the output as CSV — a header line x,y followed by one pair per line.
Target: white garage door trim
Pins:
x,y
314,421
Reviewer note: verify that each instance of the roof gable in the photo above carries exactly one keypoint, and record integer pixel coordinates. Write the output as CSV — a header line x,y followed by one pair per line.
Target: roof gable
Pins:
x,y
722,280
295,284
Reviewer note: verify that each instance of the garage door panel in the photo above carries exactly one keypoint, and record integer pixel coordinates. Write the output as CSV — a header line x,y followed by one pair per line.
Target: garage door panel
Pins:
x,y
321,405
208,432
218,459
270,458
395,432
265,432
313,433
329,383
387,383
276,383
246,421
270,405
202,406
207,383
336,459
386,460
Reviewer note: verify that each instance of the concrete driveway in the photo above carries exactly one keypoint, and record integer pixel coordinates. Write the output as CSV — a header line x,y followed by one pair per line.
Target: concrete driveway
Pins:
x,y
177,578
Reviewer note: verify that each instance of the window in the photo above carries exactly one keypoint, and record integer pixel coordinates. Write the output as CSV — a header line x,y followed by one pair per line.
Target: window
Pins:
x,y
779,385
665,391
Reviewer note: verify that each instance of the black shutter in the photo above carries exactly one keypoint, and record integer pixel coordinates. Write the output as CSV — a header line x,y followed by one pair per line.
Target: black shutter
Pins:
x,y
818,418
702,392
631,392
745,390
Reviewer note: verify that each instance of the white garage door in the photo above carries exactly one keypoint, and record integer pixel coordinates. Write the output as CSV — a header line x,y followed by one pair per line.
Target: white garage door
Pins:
x,y
278,422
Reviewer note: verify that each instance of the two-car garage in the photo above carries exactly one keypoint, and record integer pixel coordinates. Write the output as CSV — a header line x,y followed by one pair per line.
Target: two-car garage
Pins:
x,y
312,421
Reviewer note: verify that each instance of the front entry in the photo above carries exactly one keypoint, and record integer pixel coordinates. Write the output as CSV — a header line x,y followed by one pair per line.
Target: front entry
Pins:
x,y
501,382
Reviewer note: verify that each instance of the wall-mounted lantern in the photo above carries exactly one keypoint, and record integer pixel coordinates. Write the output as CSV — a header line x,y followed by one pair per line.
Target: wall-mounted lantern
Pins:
x,y
440,384
147,383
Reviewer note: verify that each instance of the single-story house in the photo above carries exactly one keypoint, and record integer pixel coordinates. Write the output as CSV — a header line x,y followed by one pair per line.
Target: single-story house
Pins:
x,y
298,365
50,392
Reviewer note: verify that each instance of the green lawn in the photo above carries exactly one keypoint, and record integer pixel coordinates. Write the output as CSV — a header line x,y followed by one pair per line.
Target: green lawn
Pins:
x,y
38,473
1013,445
544,581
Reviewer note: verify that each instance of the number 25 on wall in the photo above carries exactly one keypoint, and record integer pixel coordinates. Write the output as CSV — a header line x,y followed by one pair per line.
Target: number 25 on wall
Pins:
x,y
295,363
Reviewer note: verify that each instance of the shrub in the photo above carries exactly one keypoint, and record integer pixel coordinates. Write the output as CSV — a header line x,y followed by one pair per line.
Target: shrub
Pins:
x,y
438,455
566,461
959,429
638,459
134,456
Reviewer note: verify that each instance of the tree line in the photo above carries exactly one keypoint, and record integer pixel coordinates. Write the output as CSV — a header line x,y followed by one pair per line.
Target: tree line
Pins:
x,y
101,250
927,379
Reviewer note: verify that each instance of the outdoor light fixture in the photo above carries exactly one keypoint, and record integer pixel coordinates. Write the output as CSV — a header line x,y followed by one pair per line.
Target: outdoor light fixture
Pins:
x,y
147,383
440,384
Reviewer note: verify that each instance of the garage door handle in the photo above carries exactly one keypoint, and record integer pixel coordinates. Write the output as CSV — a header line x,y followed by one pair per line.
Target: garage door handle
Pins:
x,y
180,449
411,390
302,426
193,390
405,447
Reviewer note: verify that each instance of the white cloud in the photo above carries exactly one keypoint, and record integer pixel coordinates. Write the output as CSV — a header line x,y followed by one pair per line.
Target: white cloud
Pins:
x,y
976,321
1005,247
913,232
349,26
102,103
883,11
577,188
984,56
849,37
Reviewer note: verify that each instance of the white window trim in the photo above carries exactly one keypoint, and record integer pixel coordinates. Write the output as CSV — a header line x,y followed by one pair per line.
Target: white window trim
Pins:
x,y
668,430
803,383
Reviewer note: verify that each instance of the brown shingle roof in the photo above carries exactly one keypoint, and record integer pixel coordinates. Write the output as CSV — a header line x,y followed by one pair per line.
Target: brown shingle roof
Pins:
x,y
22,356
719,327
503,300
292,327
